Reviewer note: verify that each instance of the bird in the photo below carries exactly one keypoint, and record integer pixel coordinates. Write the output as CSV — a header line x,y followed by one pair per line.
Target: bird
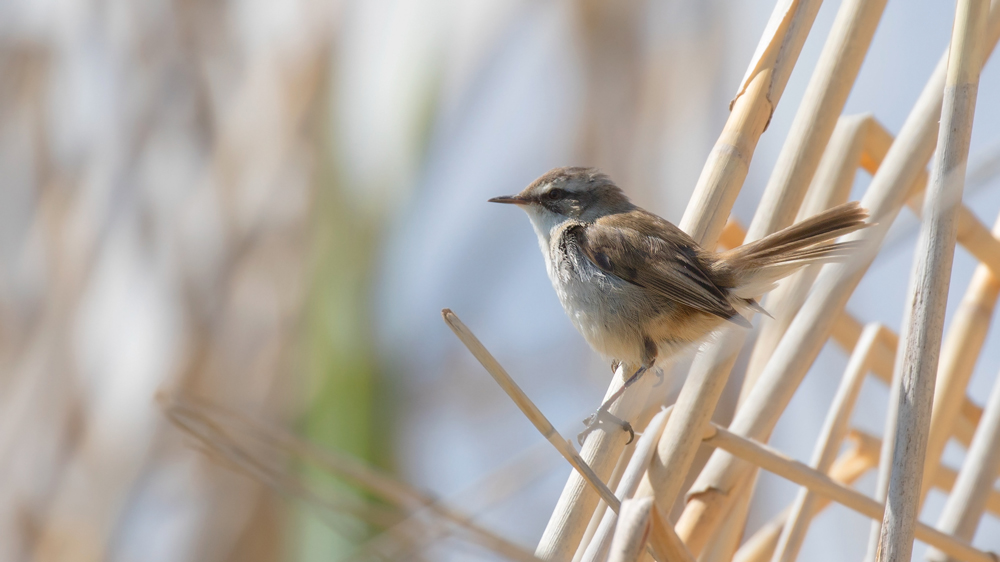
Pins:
x,y
639,289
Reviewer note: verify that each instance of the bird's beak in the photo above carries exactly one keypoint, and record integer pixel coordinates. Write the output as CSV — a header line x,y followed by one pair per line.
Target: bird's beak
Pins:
x,y
514,199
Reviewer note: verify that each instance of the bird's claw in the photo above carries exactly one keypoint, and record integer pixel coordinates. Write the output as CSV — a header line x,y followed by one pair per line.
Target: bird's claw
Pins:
x,y
599,418
659,378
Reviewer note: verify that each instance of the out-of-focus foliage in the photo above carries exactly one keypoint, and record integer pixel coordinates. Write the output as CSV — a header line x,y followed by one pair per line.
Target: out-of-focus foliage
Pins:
x,y
159,165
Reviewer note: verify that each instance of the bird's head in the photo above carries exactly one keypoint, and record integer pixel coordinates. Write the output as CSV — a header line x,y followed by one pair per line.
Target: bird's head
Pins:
x,y
578,194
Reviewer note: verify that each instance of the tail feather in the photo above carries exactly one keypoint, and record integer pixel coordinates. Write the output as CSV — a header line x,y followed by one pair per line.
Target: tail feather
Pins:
x,y
756,267
820,228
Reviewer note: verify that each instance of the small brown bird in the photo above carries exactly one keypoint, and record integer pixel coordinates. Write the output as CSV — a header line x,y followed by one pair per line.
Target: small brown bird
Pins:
x,y
640,289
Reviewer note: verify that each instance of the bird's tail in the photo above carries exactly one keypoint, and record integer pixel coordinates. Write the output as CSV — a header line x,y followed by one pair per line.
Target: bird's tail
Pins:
x,y
756,267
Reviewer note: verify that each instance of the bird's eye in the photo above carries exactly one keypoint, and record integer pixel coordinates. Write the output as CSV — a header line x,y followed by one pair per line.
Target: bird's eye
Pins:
x,y
554,194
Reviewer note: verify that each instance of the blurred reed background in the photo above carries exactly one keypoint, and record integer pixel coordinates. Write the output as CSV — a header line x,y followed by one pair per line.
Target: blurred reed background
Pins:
x,y
263,206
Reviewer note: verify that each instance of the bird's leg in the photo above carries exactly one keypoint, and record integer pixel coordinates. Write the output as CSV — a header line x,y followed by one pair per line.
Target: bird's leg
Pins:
x,y
602,415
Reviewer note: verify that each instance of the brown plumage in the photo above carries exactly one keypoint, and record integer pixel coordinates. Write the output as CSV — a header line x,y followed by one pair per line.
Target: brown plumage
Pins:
x,y
637,287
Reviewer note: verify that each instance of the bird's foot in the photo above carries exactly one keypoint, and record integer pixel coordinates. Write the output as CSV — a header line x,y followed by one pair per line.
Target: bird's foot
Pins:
x,y
600,418
659,377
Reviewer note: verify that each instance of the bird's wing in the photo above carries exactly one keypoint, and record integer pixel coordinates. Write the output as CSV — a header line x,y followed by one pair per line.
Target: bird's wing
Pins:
x,y
645,250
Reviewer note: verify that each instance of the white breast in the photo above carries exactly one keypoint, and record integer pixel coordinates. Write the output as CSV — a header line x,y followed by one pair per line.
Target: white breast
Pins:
x,y
598,304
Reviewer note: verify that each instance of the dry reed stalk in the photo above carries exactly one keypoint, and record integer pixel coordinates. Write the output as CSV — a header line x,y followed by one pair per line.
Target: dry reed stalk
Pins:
x,y
851,465
846,334
592,527
944,476
667,546
709,498
527,407
631,530
727,541
597,548
885,461
885,450
959,352
833,432
968,500
816,119
761,545
821,151
705,216
624,461
226,434
797,472
831,185
811,130
971,234
727,164
595,524
945,479
863,141
847,331
923,323
601,450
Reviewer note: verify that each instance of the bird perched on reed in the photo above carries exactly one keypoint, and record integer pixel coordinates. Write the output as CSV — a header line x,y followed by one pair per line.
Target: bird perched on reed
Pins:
x,y
638,288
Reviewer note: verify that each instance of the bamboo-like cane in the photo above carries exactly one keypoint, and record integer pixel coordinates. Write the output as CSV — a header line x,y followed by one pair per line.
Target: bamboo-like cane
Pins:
x,y
885,458
631,531
974,485
847,331
813,126
944,477
724,547
706,214
597,549
924,321
972,234
858,140
709,497
867,135
851,465
527,407
668,546
961,348
834,430
831,185
626,462
773,461
578,501
602,508
727,165
806,156
862,139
